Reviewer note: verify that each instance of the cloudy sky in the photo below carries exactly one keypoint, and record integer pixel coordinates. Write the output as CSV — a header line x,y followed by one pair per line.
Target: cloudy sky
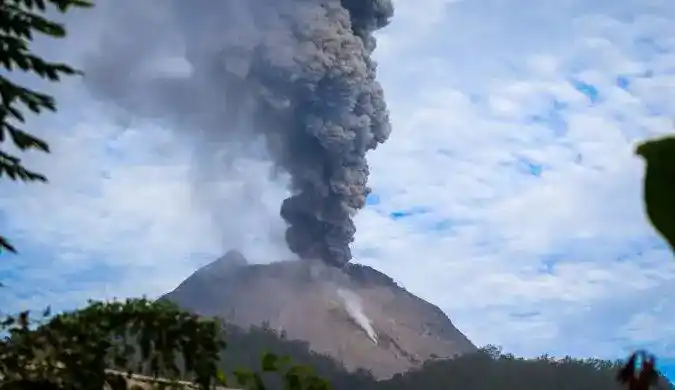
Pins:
x,y
508,194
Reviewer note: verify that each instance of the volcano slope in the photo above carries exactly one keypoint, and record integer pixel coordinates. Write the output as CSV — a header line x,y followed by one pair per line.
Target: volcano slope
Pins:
x,y
357,315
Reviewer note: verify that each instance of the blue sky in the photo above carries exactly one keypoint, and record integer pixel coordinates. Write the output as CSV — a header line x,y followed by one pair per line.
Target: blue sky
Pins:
x,y
508,194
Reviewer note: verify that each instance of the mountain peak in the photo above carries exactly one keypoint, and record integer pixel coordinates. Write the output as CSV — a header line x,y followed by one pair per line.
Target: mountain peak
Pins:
x,y
357,315
233,258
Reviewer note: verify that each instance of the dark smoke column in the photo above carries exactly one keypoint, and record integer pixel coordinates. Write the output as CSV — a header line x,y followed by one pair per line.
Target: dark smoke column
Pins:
x,y
321,109
299,72
339,114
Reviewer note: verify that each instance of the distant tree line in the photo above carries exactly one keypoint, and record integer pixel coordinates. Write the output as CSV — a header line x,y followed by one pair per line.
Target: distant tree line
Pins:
x,y
488,369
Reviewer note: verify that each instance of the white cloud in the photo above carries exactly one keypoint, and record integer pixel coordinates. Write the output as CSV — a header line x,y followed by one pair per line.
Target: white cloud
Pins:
x,y
481,96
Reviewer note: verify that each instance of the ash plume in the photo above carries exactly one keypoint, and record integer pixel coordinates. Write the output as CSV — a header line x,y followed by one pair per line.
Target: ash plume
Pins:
x,y
298,73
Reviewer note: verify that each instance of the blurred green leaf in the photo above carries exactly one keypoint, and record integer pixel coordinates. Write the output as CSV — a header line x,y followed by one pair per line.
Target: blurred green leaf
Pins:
x,y
222,379
249,379
659,185
270,362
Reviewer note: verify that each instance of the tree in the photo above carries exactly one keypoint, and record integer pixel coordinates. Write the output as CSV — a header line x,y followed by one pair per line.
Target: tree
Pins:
x,y
96,346
75,349
20,22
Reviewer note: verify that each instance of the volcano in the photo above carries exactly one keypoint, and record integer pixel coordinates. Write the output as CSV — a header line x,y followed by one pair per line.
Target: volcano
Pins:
x,y
357,315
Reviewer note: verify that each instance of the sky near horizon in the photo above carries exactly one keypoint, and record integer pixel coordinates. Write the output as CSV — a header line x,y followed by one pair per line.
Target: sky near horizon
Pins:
x,y
508,193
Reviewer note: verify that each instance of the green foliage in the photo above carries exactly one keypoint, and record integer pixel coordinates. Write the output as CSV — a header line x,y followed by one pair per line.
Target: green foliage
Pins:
x,y
73,350
245,348
77,350
490,369
294,377
20,22
659,185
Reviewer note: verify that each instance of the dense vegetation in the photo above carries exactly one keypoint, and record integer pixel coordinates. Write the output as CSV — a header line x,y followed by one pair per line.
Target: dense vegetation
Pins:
x,y
158,339
489,369
244,348
76,350
483,371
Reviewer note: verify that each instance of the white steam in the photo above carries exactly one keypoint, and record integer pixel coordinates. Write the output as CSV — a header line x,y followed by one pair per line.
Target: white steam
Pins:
x,y
241,198
352,303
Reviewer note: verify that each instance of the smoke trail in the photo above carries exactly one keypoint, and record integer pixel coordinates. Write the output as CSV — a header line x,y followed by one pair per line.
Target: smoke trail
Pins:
x,y
298,72
353,306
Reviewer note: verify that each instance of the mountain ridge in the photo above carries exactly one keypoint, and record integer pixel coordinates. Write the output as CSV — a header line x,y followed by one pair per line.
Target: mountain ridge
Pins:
x,y
359,316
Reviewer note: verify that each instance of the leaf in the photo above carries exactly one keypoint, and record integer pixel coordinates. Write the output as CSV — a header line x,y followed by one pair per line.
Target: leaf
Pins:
x,y
270,362
249,380
222,379
292,381
627,372
639,379
23,319
40,4
9,321
659,185
11,166
24,141
6,246
64,5
244,377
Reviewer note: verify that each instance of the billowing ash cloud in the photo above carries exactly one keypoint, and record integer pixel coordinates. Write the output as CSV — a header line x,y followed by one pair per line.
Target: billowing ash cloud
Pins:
x,y
297,72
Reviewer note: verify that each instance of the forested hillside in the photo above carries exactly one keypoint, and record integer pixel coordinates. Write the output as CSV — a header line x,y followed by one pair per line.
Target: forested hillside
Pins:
x,y
244,349
489,369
